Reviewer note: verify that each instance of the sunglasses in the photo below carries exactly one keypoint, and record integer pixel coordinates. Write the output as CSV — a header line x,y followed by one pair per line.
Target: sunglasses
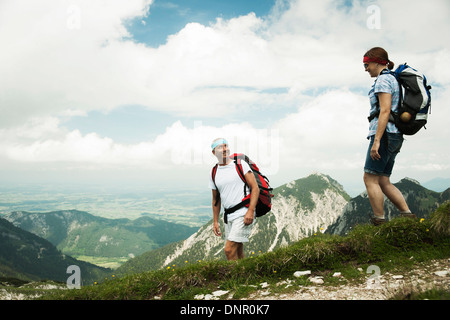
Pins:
x,y
366,65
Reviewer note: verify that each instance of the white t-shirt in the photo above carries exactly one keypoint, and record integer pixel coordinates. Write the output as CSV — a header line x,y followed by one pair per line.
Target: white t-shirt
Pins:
x,y
231,187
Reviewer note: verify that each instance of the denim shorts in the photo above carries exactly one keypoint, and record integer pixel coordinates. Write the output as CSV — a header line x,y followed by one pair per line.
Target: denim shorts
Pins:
x,y
390,146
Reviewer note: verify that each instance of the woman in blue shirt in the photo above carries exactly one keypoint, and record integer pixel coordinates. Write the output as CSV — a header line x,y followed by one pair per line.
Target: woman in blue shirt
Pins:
x,y
385,139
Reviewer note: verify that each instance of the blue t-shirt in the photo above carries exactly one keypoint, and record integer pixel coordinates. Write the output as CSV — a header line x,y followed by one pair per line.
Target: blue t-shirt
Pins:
x,y
388,84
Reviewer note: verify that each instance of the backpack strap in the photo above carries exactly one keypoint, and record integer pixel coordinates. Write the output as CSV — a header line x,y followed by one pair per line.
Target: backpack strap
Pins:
x,y
241,174
213,175
400,99
241,204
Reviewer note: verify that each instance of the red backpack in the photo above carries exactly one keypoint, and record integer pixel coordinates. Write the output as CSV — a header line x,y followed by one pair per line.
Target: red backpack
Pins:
x,y
264,204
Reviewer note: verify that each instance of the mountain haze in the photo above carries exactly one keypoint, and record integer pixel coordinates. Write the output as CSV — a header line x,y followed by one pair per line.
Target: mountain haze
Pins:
x,y
300,208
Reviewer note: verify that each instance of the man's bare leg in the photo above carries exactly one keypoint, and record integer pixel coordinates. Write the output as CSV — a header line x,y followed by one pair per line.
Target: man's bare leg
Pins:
x,y
234,250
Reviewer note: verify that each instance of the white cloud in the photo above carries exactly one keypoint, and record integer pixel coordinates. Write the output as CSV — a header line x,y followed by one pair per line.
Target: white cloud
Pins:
x,y
47,142
49,66
202,70
332,124
328,135
64,60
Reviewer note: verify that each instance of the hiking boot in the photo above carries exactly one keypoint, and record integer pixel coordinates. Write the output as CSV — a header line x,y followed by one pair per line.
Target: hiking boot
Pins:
x,y
408,215
377,221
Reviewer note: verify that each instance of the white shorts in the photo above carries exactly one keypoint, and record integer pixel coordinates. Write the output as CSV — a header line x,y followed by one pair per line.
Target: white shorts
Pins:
x,y
237,231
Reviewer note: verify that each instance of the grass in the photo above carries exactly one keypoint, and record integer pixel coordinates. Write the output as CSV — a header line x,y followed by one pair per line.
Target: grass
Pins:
x,y
105,262
389,246
14,288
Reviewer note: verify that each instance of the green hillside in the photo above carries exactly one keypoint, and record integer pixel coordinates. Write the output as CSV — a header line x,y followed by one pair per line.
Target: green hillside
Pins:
x,y
26,256
81,234
398,244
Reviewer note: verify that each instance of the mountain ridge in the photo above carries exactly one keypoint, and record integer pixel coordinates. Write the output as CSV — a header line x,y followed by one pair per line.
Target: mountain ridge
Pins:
x,y
302,207
331,261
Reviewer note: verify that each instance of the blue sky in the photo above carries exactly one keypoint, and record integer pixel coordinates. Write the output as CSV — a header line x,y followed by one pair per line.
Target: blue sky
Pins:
x,y
132,92
133,123
168,17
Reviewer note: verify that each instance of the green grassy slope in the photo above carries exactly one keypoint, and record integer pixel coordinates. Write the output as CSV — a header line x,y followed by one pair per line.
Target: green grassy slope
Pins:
x,y
389,246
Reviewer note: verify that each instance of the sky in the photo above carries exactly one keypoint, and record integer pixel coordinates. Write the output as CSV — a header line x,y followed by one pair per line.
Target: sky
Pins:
x,y
131,93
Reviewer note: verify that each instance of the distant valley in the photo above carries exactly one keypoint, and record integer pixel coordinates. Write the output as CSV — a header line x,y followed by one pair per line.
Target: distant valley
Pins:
x,y
106,242
189,207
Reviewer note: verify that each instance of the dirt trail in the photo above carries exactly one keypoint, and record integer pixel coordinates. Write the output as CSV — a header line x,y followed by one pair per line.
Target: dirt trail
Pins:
x,y
434,274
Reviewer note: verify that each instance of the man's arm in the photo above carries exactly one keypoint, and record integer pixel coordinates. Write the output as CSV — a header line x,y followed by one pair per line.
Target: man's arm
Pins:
x,y
251,181
383,118
216,212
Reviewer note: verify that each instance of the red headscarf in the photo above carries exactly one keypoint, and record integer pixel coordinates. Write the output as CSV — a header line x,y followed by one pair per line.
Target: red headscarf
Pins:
x,y
377,60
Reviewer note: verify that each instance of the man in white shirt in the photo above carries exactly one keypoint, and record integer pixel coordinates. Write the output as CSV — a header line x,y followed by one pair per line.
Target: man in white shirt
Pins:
x,y
230,186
